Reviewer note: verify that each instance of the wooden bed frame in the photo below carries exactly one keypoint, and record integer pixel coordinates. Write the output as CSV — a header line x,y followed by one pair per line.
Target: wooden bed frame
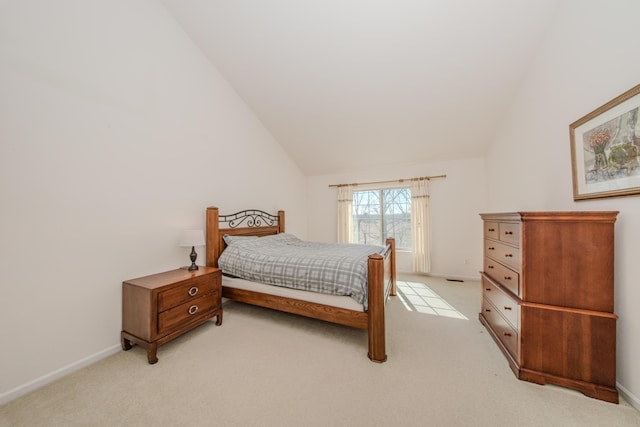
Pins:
x,y
382,271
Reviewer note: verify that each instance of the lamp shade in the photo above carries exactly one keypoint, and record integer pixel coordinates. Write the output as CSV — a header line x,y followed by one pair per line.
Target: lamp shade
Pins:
x,y
192,238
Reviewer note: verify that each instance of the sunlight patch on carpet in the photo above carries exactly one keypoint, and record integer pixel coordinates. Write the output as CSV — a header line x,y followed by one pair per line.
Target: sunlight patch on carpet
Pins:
x,y
421,298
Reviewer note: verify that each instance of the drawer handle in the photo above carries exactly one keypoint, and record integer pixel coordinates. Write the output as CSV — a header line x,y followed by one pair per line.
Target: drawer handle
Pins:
x,y
508,255
193,309
507,277
507,334
507,308
492,229
491,249
490,267
488,310
487,289
508,233
193,291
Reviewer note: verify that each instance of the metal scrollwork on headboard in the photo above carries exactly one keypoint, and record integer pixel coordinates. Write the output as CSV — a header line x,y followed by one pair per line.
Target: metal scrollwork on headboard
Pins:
x,y
248,218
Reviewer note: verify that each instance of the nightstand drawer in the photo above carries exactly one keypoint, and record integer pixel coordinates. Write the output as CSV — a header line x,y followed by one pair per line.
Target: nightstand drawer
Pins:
x,y
184,313
188,291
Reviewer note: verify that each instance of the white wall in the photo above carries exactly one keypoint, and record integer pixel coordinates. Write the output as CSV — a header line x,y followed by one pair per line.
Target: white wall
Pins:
x,y
589,57
455,202
115,135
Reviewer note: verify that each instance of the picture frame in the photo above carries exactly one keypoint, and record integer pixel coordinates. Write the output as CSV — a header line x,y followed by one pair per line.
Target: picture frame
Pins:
x,y
605,145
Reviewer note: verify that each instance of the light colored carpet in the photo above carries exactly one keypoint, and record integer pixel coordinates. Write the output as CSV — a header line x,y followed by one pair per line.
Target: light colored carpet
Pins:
x,y
264,368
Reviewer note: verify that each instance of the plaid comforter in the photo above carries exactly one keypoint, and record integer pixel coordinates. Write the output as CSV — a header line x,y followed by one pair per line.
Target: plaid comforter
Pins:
x,y
285,260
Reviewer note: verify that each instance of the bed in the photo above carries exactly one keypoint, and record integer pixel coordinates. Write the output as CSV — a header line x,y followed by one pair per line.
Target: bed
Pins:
x,y
380,280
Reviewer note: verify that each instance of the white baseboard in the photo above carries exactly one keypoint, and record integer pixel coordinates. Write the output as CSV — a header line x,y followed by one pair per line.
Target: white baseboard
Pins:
x,y
629,397
57,374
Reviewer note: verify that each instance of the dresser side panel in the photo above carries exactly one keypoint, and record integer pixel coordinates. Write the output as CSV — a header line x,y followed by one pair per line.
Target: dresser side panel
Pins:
x,y
568,264
569,344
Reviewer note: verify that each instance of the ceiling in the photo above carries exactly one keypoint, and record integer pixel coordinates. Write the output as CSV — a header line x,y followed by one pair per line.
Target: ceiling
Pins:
x,y
348,85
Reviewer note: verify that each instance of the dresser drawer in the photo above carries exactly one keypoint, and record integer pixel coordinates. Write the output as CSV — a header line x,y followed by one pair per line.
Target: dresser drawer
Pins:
x,y
504,332
510,232
183,313
188,291
491,230
503,253
503,275
505,305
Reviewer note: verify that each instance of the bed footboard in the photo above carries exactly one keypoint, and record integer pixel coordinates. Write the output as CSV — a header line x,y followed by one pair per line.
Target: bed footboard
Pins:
x,y
382,283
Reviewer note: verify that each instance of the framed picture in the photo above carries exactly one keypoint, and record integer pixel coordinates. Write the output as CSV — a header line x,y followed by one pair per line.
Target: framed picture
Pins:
x,y
604,149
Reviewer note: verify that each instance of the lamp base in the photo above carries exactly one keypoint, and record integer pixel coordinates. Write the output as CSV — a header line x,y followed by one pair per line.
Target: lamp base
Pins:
x,y
193,255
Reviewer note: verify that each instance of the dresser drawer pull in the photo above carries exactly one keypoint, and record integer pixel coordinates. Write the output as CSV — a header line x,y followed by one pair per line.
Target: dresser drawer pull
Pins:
x,y
487,289
508,255
491,249
490,267
492,229
508,233
507,334
507,308
488,310
193,291
507,277
193,309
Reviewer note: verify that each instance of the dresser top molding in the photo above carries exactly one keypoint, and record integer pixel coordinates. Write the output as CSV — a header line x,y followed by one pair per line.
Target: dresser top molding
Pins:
x,y
555,216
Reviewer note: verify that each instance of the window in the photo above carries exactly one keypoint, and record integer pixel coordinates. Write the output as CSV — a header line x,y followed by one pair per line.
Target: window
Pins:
x,y
378,214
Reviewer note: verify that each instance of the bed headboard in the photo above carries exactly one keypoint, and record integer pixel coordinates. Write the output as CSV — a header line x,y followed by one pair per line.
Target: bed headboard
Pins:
x,y
250,222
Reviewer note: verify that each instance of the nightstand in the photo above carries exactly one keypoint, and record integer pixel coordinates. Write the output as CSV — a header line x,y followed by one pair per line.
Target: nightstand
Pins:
x,y
163,306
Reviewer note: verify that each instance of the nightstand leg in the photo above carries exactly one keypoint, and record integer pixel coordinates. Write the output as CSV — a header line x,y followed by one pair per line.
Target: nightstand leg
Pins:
x,y
152,352
219,318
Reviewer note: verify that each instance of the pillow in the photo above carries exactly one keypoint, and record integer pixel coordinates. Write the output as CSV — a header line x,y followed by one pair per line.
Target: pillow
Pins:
x,y
285,238
235,239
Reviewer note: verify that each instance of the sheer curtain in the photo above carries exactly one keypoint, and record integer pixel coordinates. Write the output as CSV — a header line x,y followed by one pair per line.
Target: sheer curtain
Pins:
x,y
420,225
345,214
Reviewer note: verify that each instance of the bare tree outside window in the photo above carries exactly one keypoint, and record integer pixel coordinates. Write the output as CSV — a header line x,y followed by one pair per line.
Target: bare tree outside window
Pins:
x,y
378,214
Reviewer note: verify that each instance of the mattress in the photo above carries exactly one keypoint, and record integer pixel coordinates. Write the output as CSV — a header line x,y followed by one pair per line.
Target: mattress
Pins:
x,y
284,260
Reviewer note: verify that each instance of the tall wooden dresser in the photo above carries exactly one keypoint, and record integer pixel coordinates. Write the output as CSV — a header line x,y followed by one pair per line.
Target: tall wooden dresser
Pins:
x,y
547,301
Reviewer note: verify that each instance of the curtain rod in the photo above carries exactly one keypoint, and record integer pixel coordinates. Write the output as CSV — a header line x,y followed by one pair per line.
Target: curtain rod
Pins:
x,y
393,180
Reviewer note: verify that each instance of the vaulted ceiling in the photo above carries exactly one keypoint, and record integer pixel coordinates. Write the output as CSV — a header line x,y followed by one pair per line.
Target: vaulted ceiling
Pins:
x,y
347,85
